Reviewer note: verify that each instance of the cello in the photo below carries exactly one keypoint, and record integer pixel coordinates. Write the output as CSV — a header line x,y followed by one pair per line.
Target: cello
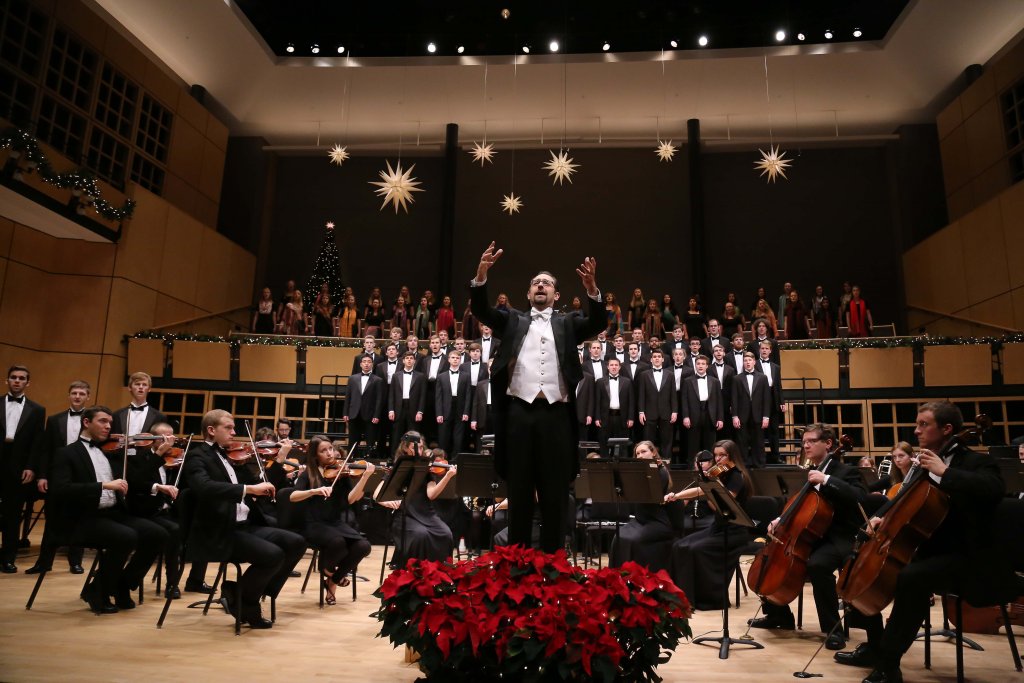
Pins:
x,y
778,571
868,580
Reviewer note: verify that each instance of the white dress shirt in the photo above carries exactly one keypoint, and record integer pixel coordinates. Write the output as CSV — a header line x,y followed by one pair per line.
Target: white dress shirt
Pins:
x,y
597,367
702,388
103,474
74,428
136,418
406,384
241,509
613,392
14,410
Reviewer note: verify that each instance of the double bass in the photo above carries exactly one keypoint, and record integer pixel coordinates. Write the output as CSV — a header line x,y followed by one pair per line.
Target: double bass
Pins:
x,y
868,581
779,570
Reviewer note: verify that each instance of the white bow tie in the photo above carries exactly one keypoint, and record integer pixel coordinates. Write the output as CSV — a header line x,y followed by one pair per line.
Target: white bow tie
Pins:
x,y
544,315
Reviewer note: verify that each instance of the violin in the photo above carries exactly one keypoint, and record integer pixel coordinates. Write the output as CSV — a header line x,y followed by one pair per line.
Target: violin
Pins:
x,y
778,571
868,580
715,471
440,467
238,453
984,619
288,464
174,457
116,442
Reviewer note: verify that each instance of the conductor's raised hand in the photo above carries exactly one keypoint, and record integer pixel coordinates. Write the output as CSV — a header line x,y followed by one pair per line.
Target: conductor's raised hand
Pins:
x,y
588,274
487,259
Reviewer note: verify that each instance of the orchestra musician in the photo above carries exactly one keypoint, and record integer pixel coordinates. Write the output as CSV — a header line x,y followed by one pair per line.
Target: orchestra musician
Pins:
x,y
842,486
902,458
229,525
89,495
956,556
534,377
696,559
329,492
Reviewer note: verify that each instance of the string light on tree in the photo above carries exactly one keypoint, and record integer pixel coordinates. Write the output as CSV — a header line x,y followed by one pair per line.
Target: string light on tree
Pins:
x,y
326,268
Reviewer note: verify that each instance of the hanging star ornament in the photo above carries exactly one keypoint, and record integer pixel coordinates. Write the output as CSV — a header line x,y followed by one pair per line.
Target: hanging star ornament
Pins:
x,y
772,163
483,153
665,150
338,154
397,186
511,203
561,167
330,225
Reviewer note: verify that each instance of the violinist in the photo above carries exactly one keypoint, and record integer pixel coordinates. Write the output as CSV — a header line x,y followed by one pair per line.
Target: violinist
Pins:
x,y
426,537
696,559
281,467
651,525
229,525
138,417
89,496
901,460
328,491
842,486
959,553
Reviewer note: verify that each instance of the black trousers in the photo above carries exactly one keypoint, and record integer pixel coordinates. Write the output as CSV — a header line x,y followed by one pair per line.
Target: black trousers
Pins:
x,y
172,548
539,451
50,543
659,432
271,553
360,429
772,433
612,428
451,434
405,421
701,434
12,498
822,564
751,441
121,535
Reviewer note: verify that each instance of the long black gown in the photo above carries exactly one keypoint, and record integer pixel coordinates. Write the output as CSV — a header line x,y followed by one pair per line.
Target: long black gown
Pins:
x,y
427,537
341,546
697,559
645,538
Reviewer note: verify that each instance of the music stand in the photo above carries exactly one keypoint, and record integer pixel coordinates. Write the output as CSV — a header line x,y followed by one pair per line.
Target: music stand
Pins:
x,y
766,483
623,481
729,511
619,447
478,479
585,447
791,480
406,475
1013,474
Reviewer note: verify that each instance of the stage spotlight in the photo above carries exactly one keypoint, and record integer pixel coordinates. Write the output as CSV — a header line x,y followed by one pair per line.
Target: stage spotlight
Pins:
x,y
673,43
341,49
431,48
801,36
460,49
780,35
828,34
607,46
290,48
857,33
526,49
314,48
553,46
703,41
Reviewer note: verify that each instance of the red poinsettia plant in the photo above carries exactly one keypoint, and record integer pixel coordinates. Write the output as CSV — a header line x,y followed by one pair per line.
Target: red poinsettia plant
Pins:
x,y
523,615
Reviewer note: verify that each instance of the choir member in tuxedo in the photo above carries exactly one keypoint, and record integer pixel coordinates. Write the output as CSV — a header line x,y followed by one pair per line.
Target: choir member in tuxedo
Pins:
x,y
961,555
534,378
606,346
228,524
638,338
480,422
695,352
640,540
412,343
843,487
320,516
658,403
773,374
677,340
89,492
618,349
151,494
714,337
453,399
594,363
23,428
701,409
751,410
585,408
696,559
396,336
369,349
430,366
614,406
386,370
722,370
442,336
463,349
364,396
62,429
681,371
761,334
474,365
634,365
488,343
734,355
138,417
406,398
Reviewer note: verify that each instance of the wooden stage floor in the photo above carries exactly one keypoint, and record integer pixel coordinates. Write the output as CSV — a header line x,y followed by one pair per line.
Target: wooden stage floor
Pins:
x,y
60,640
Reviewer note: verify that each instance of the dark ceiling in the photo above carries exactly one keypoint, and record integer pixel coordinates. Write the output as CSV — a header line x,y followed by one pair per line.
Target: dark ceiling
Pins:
x,y
404,28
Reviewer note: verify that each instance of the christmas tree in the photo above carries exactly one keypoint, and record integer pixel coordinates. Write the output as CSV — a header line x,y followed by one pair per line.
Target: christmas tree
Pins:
x,y
325,269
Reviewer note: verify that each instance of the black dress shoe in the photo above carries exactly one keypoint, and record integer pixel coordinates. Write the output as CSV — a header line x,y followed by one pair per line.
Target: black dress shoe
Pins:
x,y
172,592
884,676
9,568
98,603
198,588
294,573
35,569
24,543
783,623
252,615
123,599
835,642
76,569
859,656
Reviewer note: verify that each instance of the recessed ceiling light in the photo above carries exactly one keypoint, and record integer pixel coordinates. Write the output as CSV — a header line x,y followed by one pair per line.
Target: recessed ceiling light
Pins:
x,y
341,49
780,35
607,46
553,46
526,49
703,41
431,48
673,43
828,34
460,49
314,48
290,48
857,33
801,36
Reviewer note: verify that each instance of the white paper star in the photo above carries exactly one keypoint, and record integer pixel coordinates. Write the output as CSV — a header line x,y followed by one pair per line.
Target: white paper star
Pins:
x,y
511,203
483,153
772,163
397,186
561,167
330,225
338,155
665,150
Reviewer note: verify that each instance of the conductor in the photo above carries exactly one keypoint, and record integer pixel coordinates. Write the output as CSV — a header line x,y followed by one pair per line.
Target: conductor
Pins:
x,y
534,376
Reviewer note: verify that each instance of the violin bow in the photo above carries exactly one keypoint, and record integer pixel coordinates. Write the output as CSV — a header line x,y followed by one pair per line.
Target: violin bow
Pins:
x,y
341,468
256,455
181,467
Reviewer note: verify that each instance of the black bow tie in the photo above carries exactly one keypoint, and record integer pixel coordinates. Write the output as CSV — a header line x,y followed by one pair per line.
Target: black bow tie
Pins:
x,y
72,413
738,353
719,364
476,362
748,372
702,376
135,407
612,379
454,372
87,442
408,372
655,369
485,339
679,367
366,374
436,357
11,399
392,362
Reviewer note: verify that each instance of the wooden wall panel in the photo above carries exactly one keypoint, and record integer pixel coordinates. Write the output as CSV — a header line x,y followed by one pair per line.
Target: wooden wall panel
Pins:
x,y
147,355
949,118
212,173
111,389
185,155
933,272
978,94
77,312
6,236
1011,204
259,363
955,160
997,311
871,368
985,267
170,310
22,319
326,360
201,360
820,363
179,267
143,246
131,309
969,365
1013,363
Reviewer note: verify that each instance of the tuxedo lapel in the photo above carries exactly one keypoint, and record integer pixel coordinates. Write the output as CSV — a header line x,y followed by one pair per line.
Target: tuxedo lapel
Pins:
x,y
558,328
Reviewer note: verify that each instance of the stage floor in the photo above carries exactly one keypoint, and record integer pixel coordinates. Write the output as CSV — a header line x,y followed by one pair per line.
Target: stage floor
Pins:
x,y
60,640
